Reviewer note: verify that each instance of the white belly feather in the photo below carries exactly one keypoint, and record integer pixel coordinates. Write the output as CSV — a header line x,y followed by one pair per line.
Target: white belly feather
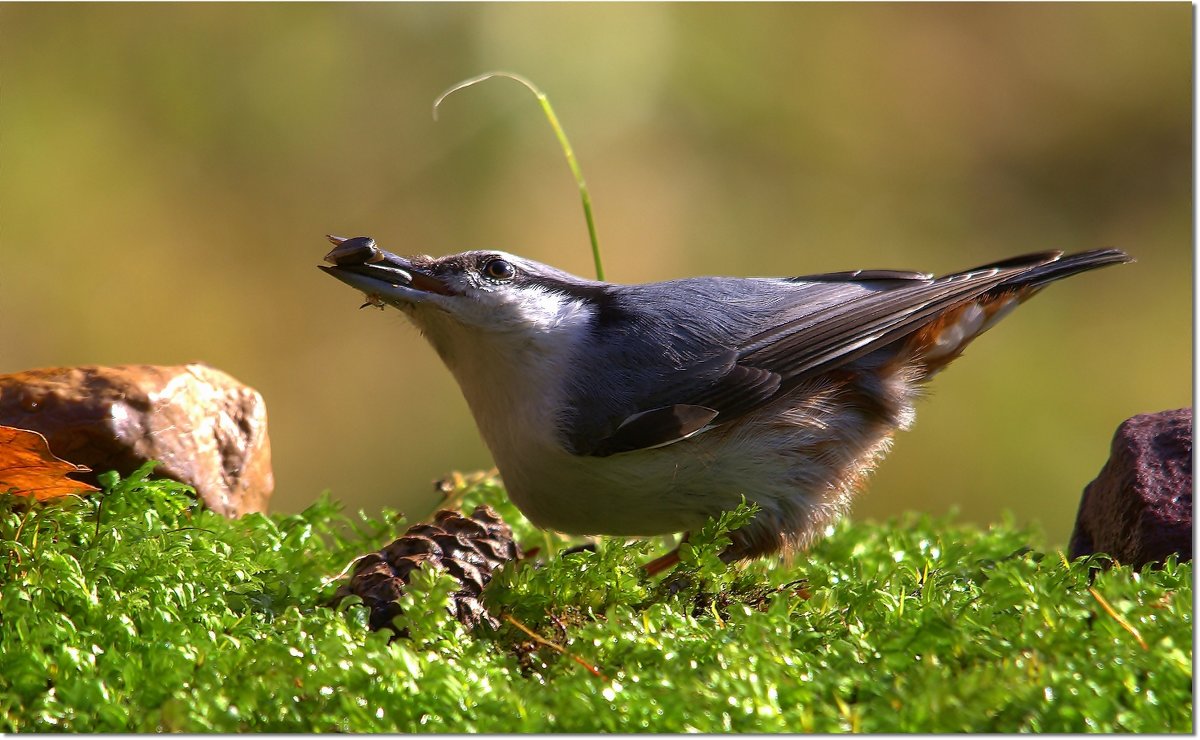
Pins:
x,y
799,459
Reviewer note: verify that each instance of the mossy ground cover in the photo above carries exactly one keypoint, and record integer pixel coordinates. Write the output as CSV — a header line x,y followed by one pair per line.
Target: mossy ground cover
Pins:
x,y
137,611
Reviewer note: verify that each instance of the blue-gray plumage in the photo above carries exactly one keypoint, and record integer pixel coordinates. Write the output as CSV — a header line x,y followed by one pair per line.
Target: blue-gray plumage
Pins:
x,y
644,409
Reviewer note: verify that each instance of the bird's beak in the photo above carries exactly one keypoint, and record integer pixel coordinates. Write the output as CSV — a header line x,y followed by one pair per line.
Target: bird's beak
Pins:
x,y
382,275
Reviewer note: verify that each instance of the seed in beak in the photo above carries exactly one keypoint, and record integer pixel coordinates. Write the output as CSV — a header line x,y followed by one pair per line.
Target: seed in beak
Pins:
x,y
355,251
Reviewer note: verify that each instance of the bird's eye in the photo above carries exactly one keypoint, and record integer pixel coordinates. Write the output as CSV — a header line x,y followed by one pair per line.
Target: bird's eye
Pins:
x,y
498,269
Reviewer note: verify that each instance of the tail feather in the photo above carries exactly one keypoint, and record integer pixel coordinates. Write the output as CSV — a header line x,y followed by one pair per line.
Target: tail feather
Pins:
x,y
1054,266
943,339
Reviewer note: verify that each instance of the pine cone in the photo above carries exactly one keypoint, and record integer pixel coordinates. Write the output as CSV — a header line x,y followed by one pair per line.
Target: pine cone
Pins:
x,y
469,549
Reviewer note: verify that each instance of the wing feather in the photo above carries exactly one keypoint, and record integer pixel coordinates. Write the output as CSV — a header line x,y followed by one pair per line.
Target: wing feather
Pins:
x,y
815,324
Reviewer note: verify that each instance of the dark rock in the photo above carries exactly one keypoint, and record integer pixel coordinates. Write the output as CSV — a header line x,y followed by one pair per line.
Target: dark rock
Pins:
x,y
1139,509
207,429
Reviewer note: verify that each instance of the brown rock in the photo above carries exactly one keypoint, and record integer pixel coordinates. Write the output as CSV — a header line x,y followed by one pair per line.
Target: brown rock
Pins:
x,y
207,429
1139,509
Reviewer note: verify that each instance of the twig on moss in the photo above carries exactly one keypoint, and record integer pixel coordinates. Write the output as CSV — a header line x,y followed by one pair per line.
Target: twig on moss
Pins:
x,y
1120,620
555,646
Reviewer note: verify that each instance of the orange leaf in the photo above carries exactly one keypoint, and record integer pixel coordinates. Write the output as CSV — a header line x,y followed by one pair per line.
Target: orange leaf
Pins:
x,y
28,468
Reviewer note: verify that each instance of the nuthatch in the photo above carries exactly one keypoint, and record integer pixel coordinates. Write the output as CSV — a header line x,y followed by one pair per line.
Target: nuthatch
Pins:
x,y
637,410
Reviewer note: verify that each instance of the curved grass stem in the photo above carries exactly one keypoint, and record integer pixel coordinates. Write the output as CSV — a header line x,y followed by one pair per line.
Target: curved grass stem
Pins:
x,y
562,140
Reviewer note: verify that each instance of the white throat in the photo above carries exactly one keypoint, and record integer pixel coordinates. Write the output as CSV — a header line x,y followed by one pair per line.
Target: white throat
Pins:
x,y
513,373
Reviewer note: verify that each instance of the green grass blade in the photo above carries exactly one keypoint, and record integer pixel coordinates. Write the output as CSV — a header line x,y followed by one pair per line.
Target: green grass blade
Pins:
x,y
562,140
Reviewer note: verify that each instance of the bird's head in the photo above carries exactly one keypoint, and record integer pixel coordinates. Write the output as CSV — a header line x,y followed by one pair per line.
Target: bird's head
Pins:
x,y
471,294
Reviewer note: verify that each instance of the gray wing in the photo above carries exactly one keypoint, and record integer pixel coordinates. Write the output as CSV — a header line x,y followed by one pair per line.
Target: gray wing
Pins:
x,y
801,328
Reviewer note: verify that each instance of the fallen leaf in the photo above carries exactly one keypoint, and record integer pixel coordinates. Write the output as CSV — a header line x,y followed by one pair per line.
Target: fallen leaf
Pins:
x,y
28,468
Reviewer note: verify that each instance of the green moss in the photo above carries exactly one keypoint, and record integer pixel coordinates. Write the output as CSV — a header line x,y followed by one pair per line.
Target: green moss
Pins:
x,y
138,611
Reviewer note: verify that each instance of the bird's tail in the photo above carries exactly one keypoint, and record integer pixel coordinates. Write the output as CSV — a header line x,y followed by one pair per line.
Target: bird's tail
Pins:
x,y
1046,267
943,339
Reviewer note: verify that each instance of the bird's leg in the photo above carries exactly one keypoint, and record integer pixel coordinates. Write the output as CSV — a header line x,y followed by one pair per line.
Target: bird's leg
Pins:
x,y
659,564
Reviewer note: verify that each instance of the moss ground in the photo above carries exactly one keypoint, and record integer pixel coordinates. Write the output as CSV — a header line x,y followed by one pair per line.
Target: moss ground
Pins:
x,y
138,611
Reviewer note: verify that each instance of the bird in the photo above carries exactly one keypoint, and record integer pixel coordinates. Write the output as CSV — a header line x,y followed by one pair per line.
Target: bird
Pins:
x,y
647,409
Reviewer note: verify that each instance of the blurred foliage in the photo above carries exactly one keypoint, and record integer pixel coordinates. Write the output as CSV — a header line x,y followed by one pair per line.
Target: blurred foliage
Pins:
x,y
138,611
167,173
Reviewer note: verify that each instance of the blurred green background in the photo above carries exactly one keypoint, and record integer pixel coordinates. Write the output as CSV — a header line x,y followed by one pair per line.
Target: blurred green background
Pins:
x,y
167,174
